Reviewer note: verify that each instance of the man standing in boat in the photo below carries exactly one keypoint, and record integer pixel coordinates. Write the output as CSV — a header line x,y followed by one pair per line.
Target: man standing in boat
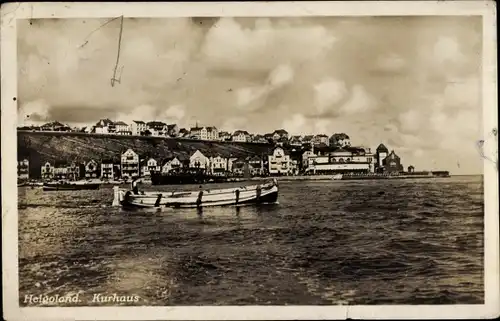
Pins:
x,y
135,187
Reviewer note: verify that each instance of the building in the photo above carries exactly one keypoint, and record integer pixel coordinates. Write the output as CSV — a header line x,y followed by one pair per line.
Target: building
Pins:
x,y
105,126
170,164
92,169
259,139
129,164
149,166
255,165
349,160
279,162
47,171
107,169
340,140
296,140
183,132
240,136
63,170
212,133
198,133
218,165
23,169
381,154
173,130
55,126
138,127
122,128
238,166
411,169
280,133
225,136
199,161
392,163
157,128
321,139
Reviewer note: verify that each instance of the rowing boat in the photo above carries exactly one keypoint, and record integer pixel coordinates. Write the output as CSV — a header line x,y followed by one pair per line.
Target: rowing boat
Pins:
x,y
70,186
254,194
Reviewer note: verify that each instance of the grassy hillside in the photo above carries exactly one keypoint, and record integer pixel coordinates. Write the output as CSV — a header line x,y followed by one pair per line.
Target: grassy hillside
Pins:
x,y
40,147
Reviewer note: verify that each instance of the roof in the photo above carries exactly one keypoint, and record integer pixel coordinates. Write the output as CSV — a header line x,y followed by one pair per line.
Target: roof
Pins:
x,y
280,131
241,132
171,126
156,123
183,130
212,128
196,128
139,122
382,148
322,135
54,123
120,123
308,137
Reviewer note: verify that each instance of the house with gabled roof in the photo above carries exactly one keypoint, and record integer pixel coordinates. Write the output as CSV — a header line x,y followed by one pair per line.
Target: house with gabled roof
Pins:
x,y
240,136
55,126
280,133
173,130
212,133
138,127
122,128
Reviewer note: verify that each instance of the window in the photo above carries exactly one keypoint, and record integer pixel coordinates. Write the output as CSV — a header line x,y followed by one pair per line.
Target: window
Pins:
x,y
341,160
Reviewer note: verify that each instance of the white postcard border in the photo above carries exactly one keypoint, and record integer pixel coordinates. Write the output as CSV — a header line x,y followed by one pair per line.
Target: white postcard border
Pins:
x,y
13,11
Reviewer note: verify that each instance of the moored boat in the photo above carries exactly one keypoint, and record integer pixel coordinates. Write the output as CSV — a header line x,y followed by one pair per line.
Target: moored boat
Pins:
x,y
254,194
337,177
70,186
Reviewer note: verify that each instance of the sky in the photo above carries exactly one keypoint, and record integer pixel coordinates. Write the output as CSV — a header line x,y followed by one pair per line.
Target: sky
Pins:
x,y
412,83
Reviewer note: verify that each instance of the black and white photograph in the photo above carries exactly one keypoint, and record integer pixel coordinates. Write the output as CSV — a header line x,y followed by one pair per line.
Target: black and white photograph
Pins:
x,y
250,157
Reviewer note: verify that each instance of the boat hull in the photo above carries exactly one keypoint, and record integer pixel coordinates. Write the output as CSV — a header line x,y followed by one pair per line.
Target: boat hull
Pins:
x,y
70,187
268,193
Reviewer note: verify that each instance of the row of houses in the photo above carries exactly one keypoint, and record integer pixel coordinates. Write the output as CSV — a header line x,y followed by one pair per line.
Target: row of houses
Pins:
x,y
210,133
280,161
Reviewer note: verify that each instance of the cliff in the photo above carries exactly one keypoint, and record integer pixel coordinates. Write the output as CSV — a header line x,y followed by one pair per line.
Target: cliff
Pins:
x,y
40,147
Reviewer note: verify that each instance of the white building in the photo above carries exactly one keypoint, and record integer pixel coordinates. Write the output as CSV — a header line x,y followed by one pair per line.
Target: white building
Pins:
x,y
199,161
130,164
341,160
137,127
149,166
107,171
91,169
218,164
47,171
171,163
212,133
198,133
122,128
240,136
279,162
23,169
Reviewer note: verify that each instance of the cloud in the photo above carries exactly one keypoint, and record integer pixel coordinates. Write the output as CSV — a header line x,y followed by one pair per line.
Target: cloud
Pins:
x,y
329,92
360,101
33,113
391,62
278,77
447,49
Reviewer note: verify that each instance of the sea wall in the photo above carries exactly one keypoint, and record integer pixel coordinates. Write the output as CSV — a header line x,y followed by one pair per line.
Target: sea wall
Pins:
x,y
40,147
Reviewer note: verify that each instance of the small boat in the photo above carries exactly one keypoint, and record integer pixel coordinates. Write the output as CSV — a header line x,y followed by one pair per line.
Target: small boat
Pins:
x,y
337,177
254,194
70,186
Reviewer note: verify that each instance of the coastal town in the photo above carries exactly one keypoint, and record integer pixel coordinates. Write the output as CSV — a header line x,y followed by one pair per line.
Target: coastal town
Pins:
x,y
289,155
